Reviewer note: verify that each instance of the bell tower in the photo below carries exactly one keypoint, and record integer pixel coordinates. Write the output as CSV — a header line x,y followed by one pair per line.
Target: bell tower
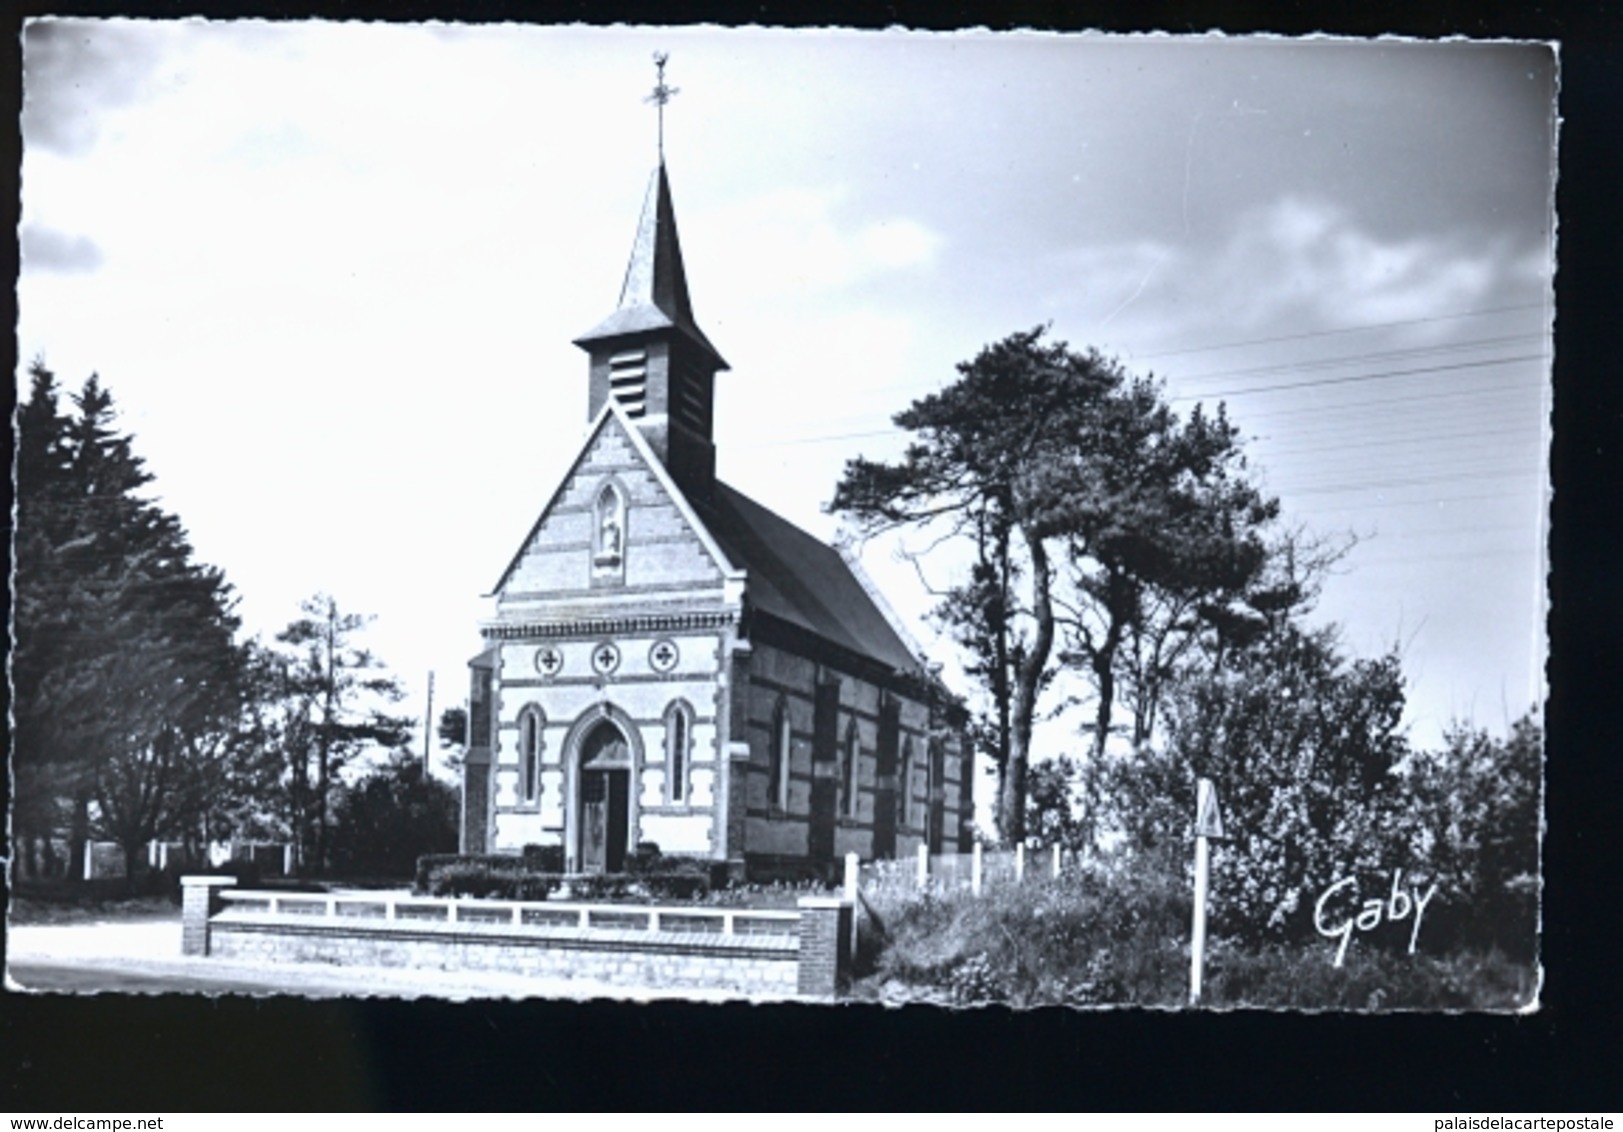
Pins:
x,y
650,355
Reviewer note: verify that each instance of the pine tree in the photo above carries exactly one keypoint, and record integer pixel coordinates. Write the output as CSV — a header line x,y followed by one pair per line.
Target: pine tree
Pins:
x,y
126,646
44,766
332,696
1103,529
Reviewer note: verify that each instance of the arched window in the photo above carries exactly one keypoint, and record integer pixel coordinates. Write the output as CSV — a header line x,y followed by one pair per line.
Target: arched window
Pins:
x,y
609,528
904,785
777,786
850,764
530,723
678,744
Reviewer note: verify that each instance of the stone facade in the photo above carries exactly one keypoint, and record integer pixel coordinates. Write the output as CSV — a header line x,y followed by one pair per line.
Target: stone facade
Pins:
x,y
671,663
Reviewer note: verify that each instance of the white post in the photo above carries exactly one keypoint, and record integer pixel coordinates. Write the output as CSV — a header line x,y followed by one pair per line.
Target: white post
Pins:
x,y
152,853
1020,862
924,866
975,871
90,859
852,864
163,856
1197,946
1208,824
287,859
1056,861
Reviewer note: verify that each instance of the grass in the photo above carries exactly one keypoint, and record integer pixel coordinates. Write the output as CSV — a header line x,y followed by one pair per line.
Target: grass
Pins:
x,y
31,910
1123,939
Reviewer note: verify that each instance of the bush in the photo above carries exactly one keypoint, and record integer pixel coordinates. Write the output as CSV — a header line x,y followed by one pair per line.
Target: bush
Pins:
x,y
1119,934
660,886
428,863
480,879
383,822
645,858
504,877
543,858
1369,979
1105,936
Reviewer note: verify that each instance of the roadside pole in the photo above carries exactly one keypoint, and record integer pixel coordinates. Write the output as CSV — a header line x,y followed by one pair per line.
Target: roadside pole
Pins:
x,y
1208,824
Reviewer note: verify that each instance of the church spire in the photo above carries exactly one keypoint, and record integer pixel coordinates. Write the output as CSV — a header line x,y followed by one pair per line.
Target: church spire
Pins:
x,y
649,354
654,296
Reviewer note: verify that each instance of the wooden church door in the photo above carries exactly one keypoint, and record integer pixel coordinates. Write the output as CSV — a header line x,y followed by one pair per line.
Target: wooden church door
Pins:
x,y
605,801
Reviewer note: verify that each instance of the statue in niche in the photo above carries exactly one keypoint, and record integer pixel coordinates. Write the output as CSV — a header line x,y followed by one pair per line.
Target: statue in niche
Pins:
x,y
610,534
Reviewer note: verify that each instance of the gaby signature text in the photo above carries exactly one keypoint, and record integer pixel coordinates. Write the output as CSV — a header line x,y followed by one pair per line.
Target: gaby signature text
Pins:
x,y
1397,906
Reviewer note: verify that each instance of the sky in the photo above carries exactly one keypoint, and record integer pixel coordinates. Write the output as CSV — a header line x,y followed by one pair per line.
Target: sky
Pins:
x,y
331,274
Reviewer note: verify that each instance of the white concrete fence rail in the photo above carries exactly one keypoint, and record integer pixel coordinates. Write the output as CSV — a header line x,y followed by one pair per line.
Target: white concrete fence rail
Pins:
x,y
975,871
778,952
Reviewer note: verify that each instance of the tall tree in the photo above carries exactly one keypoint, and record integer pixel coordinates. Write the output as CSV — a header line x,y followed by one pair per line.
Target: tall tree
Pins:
x,y
1305,747
126,644
334,697
452,729
1165,532
235,785
393,815
45,767
1472,818
1100,523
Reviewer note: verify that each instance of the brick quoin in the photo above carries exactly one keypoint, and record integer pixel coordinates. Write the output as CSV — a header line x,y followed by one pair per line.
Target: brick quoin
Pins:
x,y
825,924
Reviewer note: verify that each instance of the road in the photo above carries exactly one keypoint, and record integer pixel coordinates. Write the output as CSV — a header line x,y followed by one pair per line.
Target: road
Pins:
x,y
143,957
69,979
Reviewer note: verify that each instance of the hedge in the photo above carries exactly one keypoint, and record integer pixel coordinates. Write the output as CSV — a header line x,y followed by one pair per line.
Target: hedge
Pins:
x,y
507,878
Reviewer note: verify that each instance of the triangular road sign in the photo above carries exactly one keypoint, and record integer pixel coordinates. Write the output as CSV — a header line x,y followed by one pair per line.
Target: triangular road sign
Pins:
x,y
1208,818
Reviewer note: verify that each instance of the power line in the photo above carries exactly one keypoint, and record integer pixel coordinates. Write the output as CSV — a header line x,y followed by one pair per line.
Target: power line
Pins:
x,y
1404,438
1429,501
1319,383
1475,392
1343,330
1445,556
1355,359
1421,481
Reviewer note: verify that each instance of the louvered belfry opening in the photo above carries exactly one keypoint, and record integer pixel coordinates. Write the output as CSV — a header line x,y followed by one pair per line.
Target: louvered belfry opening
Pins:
x,y
650,356
628,381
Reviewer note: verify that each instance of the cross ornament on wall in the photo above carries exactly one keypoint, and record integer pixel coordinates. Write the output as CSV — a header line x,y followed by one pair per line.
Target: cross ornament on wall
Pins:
x,y
663,656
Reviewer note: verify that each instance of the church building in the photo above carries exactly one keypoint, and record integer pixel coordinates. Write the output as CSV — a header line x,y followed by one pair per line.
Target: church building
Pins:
x,y
670,662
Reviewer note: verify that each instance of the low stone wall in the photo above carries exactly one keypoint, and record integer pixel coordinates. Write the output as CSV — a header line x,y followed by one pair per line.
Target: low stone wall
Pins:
x,y
800,954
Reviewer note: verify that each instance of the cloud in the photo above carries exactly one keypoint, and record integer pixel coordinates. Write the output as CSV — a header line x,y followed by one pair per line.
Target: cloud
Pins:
x,y
46,249
812,248
1295,263
73,70
1302,256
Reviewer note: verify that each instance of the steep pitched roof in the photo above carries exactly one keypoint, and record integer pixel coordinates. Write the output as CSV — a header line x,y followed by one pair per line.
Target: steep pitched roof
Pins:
x,y
612,411
801,580
655,293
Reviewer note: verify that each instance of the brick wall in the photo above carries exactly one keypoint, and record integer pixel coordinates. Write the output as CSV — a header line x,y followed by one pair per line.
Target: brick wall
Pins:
x,y
747,965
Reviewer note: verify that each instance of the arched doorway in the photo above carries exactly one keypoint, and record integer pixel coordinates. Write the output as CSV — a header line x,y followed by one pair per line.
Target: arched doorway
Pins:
x,y
604,800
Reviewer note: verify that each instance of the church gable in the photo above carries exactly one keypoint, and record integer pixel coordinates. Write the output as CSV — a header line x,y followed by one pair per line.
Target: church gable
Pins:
x,y
616,524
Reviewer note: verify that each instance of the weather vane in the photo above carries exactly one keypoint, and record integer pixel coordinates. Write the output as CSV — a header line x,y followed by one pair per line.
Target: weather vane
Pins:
x,y
660,96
